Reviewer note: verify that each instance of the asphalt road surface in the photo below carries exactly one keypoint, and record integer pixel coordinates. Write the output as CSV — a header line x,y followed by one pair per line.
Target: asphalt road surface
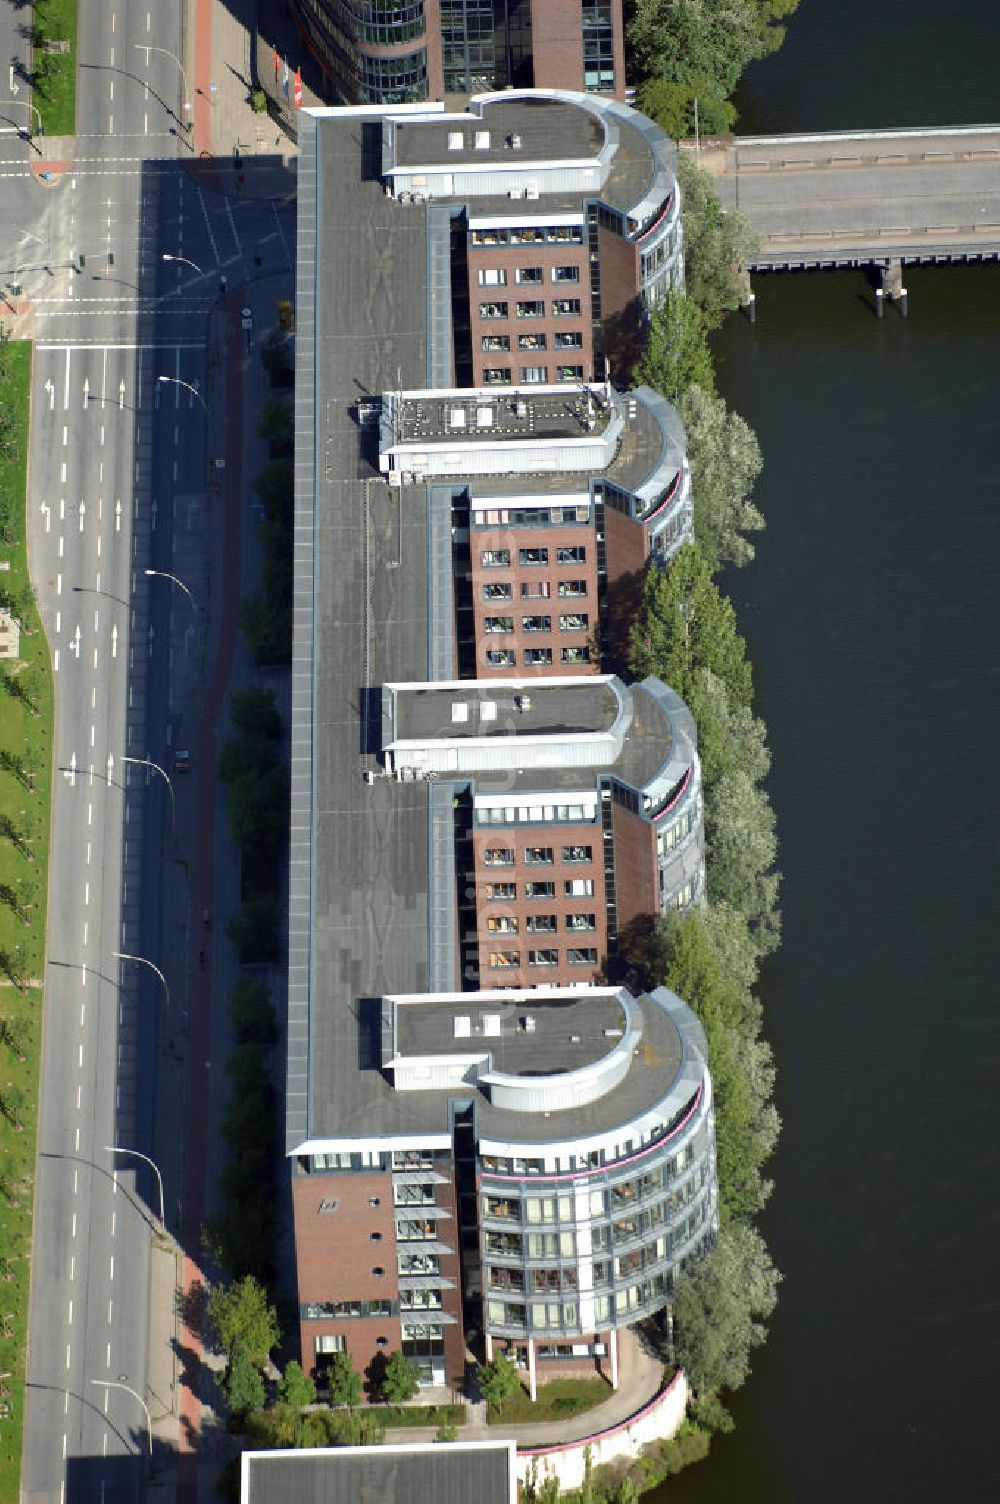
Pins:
x,y
112,445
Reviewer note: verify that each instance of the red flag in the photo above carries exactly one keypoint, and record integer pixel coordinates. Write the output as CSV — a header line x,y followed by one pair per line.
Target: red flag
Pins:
x,y
298,88
276,61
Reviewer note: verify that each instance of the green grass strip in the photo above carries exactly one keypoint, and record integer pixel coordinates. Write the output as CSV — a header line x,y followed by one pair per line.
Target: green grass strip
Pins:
x,y
557,1400
54,66
25,761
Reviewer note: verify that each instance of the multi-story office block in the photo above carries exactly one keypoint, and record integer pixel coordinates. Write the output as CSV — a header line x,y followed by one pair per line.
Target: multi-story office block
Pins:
x,y
556,1167
394,51
556,494
478,811
575,805
564,223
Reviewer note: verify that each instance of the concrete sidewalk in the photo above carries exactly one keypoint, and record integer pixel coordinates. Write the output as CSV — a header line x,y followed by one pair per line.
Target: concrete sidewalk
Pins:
x,y
235,150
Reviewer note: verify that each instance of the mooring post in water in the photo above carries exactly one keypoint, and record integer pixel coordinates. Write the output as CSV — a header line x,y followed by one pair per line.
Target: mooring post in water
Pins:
x,y
903,302
879,302
748,298
892,287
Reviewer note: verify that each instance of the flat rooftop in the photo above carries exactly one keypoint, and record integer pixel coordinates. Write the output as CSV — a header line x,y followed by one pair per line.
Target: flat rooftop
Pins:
x,y
483,417
418,1473
535,708
565,1032
551,128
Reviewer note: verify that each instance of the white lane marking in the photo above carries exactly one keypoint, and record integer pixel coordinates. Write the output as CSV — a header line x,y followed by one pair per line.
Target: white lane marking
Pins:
x,y
208,226
83,1013
69,1322
112,57
46,512
232,226
284,242
113,20
62,546
66,383
79,1091
98,586
58,622
102,433
145,123
86,899
86,393
100,504
68,1351
114,641
62,508
76,1181
93,690
177,432
86,932
95,657
111,125
100,471
62,473
76,1144
107,1361
111,1273
73,1231
147,20
58,584
111,1305
65,437
83,968
79,1056
55,660
72,1266
111,89
90,814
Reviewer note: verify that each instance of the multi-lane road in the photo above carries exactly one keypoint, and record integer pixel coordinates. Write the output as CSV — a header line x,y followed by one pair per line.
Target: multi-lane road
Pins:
x,y
118,455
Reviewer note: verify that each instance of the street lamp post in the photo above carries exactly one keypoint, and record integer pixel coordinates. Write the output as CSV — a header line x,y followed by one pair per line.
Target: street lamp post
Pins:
x,y
177,381
117,1384
142,47
167,256
147,762
164,574
124,955
137,1154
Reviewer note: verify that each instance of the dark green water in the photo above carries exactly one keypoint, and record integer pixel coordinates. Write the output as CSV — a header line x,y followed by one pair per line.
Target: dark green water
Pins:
x,y
872,614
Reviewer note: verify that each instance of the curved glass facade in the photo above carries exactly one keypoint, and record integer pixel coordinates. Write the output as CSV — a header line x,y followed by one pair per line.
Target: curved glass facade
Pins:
x,y
385,23
570,1255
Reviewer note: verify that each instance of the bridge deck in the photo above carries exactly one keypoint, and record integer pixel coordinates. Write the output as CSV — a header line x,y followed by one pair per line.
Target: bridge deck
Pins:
x,y
844,199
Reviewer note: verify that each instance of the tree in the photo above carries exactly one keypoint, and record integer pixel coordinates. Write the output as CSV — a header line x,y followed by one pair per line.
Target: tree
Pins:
x,y
721,1304
255,715
296,1388
711,39
725,462
741,846
672,106
400,1381
243,1317
254,931
718,243
343,1380
684,626
242,1384
276,424
729,736
677,354
251,1011
268,627
497,1380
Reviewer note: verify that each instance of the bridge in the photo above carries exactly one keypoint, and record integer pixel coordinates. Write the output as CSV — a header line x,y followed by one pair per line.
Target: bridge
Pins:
x,y
860,198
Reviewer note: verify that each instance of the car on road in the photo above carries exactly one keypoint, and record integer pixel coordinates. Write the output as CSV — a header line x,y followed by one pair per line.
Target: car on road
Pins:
x,y
182,760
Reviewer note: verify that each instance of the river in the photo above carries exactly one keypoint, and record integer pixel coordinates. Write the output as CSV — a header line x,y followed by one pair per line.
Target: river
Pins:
x,y
872,614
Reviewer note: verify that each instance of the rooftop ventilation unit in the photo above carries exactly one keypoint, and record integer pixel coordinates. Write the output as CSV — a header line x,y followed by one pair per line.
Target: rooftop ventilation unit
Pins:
x,y
531,191
516,193
487,711
482,140
491,1025
455,140
462,1026
459,712
526,1023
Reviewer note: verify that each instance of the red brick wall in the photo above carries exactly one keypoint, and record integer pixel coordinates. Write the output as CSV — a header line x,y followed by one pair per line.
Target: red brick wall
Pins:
x,y
636,879
556,44
621,305
518,607
508,258
520,907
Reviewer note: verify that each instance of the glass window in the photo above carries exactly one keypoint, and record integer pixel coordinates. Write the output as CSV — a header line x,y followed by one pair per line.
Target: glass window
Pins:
x,y
543,958
565,274
498,856
537,657
577,853
534,375
574,621
501,591
535,590
526,274
492,276
493,342
496,376
504,960
539,890
538,856
579,887
567,340
533,309
566,308
541,924
536,623
533,556
496,624
493,310
576,655
569,373
493,558
581,921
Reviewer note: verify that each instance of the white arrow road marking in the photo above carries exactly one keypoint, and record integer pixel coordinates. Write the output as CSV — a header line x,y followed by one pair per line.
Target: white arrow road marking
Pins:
x,y
46,512
51,389
83,513
114,641
74,646
152,634
70,772
62,508
153,515
86,392
118,516
111,766
121,393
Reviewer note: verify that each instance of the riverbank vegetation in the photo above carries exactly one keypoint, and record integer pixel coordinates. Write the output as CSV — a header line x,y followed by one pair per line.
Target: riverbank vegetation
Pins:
x,y
688,55
25,761
685,631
